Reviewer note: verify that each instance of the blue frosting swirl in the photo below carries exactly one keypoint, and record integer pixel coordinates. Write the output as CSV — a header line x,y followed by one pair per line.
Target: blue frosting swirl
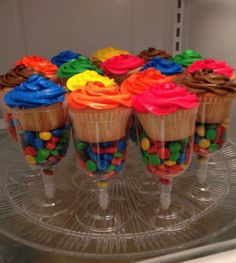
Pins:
x,y
63,57
166,67
35,92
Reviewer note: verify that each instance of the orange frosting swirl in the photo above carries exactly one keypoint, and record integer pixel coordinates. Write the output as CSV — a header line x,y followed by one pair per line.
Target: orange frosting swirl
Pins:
x,y
96,96
38,64
141,81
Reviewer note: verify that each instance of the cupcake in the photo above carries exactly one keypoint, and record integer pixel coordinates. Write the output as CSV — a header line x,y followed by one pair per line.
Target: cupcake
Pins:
x,y
74,67
9,81
166,67
101,55
151,52
79,80
63,57
40,113
41,65
212,81
186,58
122,66
99,118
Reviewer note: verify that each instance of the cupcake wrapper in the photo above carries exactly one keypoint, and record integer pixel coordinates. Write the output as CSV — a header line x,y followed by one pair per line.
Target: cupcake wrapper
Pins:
x,y
171,127
100,126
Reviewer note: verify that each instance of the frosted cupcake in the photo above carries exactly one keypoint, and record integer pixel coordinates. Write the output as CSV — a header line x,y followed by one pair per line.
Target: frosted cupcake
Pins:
x,y
122,66
63,57
41,65
151,52
101,55
74,67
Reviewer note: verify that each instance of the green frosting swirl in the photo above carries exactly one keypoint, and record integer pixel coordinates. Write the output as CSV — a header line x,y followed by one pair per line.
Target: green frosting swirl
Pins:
x,y
187,57
76,66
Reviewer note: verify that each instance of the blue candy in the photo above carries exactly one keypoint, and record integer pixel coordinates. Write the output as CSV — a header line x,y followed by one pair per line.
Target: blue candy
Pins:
x,y
29,137
119,167
121,146
182,158
107,144
38,143
56,132
107,156
197,139
103,165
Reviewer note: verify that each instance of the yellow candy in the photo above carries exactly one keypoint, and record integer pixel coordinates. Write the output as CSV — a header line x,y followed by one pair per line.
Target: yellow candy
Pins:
x,y
106,53
79,80
45,136
102,184
145,144
30,159
184,166
203,143
170,163
200,130
225,125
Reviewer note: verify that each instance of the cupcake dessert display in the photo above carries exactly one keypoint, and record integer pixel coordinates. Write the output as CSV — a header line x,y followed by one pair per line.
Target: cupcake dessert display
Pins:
x,y
151,52
74,67
63,57
122,66
186,58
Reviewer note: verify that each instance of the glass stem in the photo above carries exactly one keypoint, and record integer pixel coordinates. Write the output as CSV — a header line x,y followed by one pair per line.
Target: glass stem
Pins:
x,y
202,171
48,181
103,196
165,195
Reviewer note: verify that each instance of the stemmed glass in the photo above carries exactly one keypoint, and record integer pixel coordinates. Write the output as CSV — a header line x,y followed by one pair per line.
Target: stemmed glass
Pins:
x,y
43,135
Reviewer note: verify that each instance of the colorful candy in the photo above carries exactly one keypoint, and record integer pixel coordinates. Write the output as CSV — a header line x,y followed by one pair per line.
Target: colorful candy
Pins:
x,y
102,159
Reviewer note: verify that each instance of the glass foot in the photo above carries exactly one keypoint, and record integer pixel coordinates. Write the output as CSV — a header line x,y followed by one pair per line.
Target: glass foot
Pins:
x,y
149,187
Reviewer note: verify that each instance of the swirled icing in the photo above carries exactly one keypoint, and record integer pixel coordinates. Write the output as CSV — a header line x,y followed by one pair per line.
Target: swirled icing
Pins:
x,y
96,96
34,92
165,98
38,64
106,53
187,57
63,57
76,66
15,76
80,80
139,82
151,52
165,66
217,66
207,81
122,64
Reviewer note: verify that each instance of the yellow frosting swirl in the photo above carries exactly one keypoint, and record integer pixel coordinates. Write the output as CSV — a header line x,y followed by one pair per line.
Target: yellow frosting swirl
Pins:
x,y
106,53
79,80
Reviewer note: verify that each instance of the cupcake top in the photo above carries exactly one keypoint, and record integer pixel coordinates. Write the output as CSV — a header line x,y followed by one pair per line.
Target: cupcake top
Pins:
x,y
79,80
34,92
165,66
76,66
151,53
141,81
95,95
106,53
121,64
15,76
217,66
165,98
187,57
38,64
63,57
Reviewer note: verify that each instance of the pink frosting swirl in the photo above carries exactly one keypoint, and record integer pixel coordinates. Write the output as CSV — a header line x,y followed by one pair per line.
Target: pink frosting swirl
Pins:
x,y
216,66
165,98
122,64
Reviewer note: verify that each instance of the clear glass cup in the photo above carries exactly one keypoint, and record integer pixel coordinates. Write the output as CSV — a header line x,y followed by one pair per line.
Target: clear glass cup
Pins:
x,y
166,144
100,144
43,135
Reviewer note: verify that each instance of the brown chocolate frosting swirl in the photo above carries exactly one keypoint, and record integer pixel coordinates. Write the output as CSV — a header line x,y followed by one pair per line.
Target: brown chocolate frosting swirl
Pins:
x,y
206,81
15,76
151,52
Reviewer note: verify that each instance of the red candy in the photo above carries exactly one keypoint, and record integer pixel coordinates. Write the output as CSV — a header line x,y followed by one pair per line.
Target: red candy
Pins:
x,y
163,153
176,169
110,174
81,163
54,139
98,150
116,161
161,173
164,181
52,159
162,167
151,168
110,149
50,145
152,149
30,151
159,144
220,130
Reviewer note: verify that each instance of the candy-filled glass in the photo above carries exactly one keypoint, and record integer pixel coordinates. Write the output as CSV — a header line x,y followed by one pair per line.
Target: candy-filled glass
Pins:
x,y
101,147
43,135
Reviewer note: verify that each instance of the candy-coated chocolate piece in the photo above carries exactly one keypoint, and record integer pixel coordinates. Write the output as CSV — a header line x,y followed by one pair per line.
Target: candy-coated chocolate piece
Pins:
x,y
184,141
52,159
174,146
91,166
164,181
152,149
103,165
110,149
145,160
162,167
204,143
213,147
111,168
174,156
211,134
80,145
151,168
211,126
118,154
29,150
65,133
107,144
121,145
176,169
197,139
45,136
225,125
109,156
59,146
55,139
163,153
119,167
82,163
182,158
56,132
54,152
224,136
50,145
62,152
116,161
43,154
145,144
159,145
154,159
38,143
98,150
200,130
169,163
63,140
29,137
30,159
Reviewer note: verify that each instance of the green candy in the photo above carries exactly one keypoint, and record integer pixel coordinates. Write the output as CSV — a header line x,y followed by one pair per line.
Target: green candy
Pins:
x,y
211,126
211,134
144,153
184,141
145,160
174,156
174,146
80,145
154,159
91,166
39,160
223,137
111,168
118,154
54,152
43,154
213,147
